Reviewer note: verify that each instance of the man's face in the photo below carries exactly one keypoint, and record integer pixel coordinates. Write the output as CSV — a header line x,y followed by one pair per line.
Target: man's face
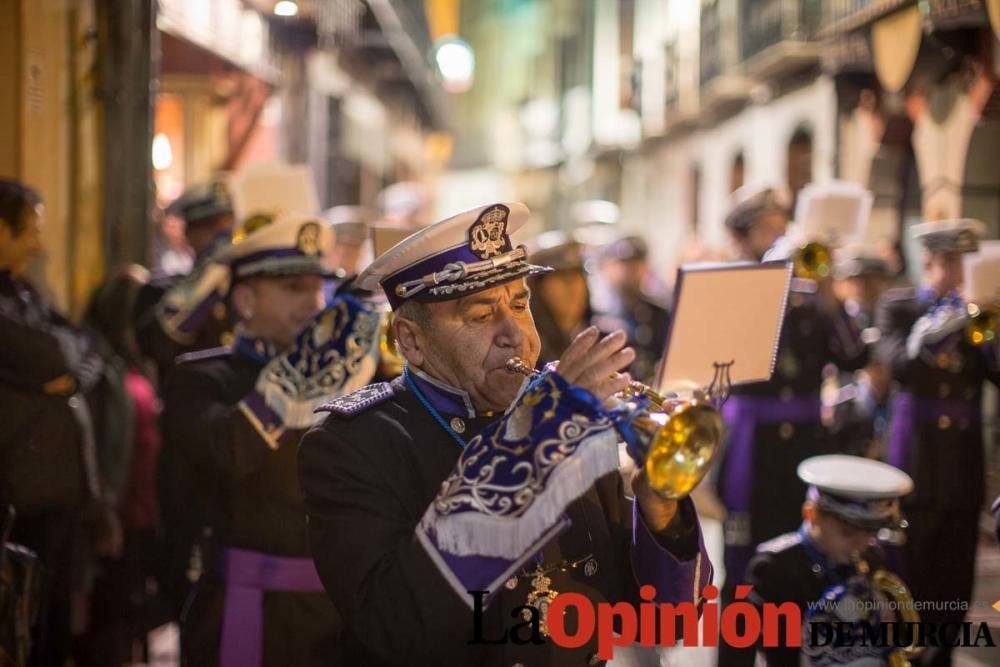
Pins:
x,y
943,271
764,231
282,306
469,341
201,234
839,540
865,290
17,250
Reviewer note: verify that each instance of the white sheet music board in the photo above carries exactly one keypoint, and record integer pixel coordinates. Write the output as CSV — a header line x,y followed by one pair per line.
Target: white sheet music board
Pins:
x,y
274,189
982,274
724,313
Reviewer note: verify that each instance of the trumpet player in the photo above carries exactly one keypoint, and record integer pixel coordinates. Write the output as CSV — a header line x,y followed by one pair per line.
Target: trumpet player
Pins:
x,y
233,519
383,473
860,409
936,432
849,499
773,426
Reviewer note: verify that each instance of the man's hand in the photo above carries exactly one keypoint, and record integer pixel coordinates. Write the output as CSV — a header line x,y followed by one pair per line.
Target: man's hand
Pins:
x,y
595,365
656,510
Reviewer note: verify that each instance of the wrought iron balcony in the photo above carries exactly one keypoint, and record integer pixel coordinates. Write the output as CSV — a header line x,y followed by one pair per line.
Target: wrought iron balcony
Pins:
x,y
720,73
777,35
671,74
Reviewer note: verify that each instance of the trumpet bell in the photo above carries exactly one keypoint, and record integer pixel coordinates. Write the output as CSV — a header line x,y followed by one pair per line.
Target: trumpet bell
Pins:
x,y
981,328
682,449
812,261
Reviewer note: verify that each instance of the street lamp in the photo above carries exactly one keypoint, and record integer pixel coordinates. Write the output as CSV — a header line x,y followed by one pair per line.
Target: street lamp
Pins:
x,y
163,154
456,62
286,8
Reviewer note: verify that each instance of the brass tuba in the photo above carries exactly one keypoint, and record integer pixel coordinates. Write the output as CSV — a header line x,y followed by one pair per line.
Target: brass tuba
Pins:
x,y
678,438
891,587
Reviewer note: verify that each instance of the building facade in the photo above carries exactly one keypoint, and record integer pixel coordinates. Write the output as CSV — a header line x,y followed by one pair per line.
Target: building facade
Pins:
x,y
667,106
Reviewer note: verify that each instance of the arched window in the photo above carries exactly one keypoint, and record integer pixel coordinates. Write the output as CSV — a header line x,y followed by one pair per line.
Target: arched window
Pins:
x,y
799,160
736,173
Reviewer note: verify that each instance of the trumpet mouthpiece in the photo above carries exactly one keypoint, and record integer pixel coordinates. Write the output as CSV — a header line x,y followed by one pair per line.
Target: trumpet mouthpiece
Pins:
x,y
516,365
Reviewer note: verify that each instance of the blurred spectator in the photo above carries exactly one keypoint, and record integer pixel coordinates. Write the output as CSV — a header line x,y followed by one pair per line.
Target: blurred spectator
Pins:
x,y
173,255
120,611
48,468
560,301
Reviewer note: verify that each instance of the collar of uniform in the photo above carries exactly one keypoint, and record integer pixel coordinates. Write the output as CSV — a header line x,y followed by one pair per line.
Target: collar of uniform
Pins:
x,y
445,398
926,293
255,347
218,242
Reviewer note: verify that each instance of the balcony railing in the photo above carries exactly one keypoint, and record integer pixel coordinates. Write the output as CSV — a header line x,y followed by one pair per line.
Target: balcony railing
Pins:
x,y
835,10
767,23
671,76
720,39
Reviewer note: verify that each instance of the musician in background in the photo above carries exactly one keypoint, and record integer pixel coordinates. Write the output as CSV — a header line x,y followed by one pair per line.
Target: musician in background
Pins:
x,y
171,317
860,409
232,421
560,301
862,278
773,426
350,226
936,433
630,305
848,501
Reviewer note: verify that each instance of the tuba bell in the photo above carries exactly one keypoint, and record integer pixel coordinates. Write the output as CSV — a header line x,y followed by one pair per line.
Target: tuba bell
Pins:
x,y
861,602
890,587
677,439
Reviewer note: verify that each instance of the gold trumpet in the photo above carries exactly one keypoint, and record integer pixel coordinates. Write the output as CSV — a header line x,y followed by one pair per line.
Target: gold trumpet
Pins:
x,y
813,261
981,328
678,439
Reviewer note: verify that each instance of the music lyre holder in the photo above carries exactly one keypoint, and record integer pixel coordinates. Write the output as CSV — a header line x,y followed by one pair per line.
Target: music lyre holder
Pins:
x,y
721,384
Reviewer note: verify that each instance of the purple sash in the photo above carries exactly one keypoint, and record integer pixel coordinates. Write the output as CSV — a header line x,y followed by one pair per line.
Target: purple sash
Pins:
x,y
908,410
248,575
742,414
